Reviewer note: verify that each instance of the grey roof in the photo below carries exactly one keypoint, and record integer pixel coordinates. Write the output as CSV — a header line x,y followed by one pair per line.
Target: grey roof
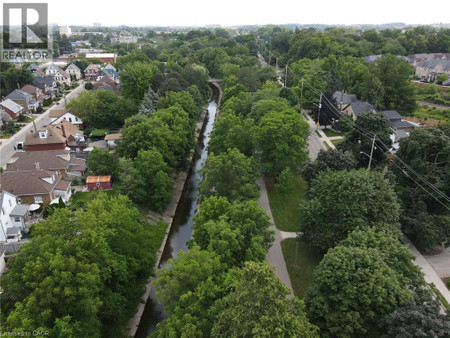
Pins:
x,y
372,58
11,105
402,124
17,94
360,107
110,66
344,98
33,66
392,115
12,231
43,81
20,210
433,63
74,67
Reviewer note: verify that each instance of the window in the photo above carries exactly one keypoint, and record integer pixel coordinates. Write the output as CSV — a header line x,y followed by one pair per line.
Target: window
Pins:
x,y
16,219
38,199
19,200
70,119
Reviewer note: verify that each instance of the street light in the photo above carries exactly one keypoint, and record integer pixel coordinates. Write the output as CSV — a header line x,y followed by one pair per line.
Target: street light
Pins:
x,y
297,239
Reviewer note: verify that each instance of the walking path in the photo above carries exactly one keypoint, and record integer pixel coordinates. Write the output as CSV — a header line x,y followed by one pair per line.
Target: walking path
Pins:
x,y
430,275
275,255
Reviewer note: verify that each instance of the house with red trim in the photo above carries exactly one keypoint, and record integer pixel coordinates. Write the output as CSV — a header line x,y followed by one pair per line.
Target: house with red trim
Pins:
x,y
98,182
91,71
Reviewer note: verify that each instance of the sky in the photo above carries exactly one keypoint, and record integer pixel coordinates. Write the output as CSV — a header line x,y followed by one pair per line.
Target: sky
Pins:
x,y
244,12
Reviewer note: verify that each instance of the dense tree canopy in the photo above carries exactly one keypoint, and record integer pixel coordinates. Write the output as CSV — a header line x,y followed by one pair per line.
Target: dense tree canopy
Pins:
x,y
258,306
102,162
136,78
351,288
79,275
342,201
102,108
332,159
281,141
231,175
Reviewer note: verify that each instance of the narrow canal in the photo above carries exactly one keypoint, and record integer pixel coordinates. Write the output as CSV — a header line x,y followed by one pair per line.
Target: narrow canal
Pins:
x,y
181,230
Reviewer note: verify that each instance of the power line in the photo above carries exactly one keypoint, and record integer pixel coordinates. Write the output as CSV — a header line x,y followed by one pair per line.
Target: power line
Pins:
x,y
371,135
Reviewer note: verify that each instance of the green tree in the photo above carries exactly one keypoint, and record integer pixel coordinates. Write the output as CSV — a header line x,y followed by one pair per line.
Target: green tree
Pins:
x,y
130,182
231,174
395,76
13,77
149,103
332,159
288,94
351,288
184,99
263,107
237,231
419,316
281,141
342,201
136,78
258,306
360,140
154,173
102,162
184,273
231,131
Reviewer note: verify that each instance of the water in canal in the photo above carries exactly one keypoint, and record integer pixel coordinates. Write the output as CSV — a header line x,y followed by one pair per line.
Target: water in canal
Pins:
x,y
180,232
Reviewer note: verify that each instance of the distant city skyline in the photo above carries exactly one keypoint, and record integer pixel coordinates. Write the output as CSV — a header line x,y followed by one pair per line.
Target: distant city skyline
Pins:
x,y
234,12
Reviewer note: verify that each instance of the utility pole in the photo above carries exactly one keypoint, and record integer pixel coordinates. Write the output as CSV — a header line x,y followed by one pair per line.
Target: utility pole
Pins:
x,y
276,64
285,77
301,95
318,115
269,58
371,152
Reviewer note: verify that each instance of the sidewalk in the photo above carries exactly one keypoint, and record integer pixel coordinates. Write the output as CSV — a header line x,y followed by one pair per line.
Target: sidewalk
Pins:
x,y
430,275
275,255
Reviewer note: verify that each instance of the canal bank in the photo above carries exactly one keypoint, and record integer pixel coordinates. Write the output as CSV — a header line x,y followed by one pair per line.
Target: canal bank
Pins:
x,y
179,216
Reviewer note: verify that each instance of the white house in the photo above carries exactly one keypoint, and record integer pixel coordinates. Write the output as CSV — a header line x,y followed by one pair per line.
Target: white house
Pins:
x,y
12,217
56,116
73,71
58,74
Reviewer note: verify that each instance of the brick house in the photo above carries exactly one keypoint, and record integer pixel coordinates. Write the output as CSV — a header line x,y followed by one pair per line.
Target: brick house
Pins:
x,y
12,108
53,137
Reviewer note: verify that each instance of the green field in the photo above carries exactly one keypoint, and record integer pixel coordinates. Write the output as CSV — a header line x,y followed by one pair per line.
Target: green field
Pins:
x,y
284,206
331,133
307,260
336,142
428,112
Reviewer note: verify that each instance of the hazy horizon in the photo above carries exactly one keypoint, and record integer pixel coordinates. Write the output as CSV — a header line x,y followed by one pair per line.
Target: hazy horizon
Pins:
x,y
200,13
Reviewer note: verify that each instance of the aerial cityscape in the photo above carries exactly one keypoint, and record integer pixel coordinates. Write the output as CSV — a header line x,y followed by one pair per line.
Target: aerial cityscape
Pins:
x,y
248,170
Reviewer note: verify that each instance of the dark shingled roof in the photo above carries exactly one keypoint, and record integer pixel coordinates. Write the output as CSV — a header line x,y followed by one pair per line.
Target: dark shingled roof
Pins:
x,y
392,115
344,98
360,107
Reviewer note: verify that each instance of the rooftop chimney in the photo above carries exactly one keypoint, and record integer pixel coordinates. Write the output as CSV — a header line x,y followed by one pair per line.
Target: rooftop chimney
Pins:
x,y
63,130
38,166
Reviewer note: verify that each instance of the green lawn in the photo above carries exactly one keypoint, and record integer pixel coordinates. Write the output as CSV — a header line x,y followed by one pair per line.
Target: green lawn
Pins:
x,y
307,260
318,134
331,133
336,142
86,196
284,206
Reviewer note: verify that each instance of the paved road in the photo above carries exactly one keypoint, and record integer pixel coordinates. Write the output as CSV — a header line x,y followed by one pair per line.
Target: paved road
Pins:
x,y
315,144
7,146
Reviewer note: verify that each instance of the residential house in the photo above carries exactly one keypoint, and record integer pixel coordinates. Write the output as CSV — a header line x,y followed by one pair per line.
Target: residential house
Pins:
x,y
12,108
400,127
73,71
36,70
59,75
35,92
12,216
24,99
58,115
98,182
415,59
37,186
111,140
91,71
53,137
430,69
105,82
351,106
111,71
47,84
60,162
